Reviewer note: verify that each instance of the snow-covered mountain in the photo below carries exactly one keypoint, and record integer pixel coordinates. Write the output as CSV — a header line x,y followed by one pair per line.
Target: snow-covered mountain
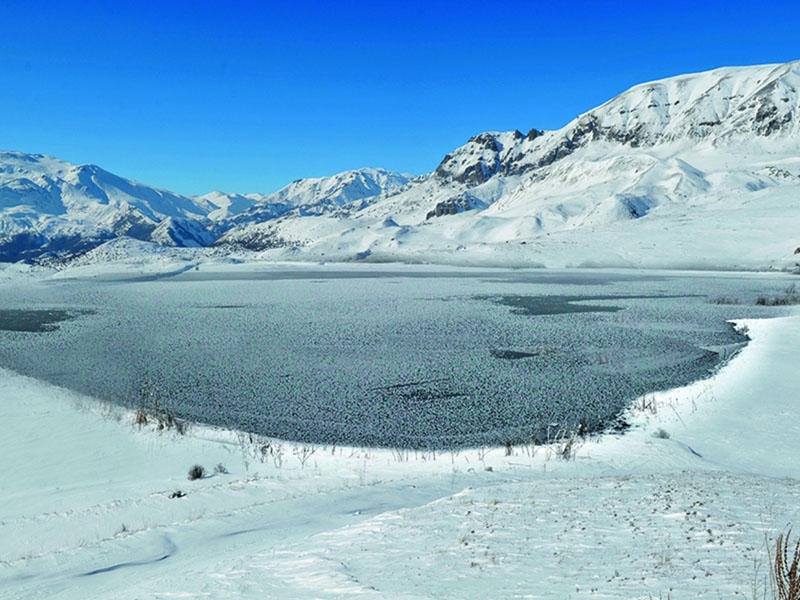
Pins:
x,y
317,195
698,170
340,194
48,206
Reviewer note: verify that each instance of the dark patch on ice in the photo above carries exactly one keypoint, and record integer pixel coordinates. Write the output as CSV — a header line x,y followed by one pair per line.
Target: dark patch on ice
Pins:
x,y
561,305
551,305
226,306
511,354
35,321
421,391
411,384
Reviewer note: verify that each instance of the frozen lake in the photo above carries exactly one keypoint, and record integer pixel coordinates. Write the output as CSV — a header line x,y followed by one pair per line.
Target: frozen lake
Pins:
x,y
409,357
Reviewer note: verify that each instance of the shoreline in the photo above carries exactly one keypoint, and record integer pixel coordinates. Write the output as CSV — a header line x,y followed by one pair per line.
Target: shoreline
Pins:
x,y
481,333
639,412
169,262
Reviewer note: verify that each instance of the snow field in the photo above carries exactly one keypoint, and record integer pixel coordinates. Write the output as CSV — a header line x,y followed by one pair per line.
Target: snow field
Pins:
x,y
86,510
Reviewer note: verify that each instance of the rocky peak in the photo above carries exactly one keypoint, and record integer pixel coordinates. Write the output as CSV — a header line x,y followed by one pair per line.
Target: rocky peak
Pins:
x,y
480,158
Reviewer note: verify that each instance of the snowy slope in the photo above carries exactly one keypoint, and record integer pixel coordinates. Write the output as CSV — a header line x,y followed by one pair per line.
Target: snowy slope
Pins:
x,y
694,170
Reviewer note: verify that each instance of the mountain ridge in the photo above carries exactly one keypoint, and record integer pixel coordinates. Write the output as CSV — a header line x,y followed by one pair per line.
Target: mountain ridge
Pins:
x,y
714,147
52,208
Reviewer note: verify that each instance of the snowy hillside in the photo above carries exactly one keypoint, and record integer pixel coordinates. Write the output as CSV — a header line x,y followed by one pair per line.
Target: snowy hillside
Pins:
x,y
693,171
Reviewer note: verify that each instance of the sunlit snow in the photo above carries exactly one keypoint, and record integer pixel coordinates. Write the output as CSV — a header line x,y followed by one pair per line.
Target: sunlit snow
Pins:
x,y
682,504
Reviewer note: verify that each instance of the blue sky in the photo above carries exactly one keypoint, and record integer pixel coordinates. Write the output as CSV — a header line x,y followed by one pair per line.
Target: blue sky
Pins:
x,y
246,97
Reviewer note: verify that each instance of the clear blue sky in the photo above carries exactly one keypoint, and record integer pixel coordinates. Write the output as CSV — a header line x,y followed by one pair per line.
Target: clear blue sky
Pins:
x,y
239,96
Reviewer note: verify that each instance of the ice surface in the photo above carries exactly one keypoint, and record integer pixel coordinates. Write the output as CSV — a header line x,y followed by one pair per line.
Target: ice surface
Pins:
x,y
414,358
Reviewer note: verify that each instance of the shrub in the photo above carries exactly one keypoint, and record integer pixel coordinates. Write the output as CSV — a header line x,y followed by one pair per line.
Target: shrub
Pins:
x,y
566,450
220,469
151,408
725,300
197,472
790,296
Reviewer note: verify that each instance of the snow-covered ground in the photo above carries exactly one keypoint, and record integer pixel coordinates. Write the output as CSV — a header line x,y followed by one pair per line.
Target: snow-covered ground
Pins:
x,y
682,505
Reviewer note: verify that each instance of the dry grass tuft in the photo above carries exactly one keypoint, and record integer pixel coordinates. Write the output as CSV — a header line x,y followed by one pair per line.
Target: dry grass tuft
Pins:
x,y
785,569
791,296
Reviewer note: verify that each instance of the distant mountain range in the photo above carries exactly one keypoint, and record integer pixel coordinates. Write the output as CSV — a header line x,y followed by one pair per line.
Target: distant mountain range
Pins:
x,y
696,171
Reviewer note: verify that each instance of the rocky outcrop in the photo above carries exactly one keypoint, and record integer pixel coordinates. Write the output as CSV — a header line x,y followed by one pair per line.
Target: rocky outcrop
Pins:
x,y
478,160
453,206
